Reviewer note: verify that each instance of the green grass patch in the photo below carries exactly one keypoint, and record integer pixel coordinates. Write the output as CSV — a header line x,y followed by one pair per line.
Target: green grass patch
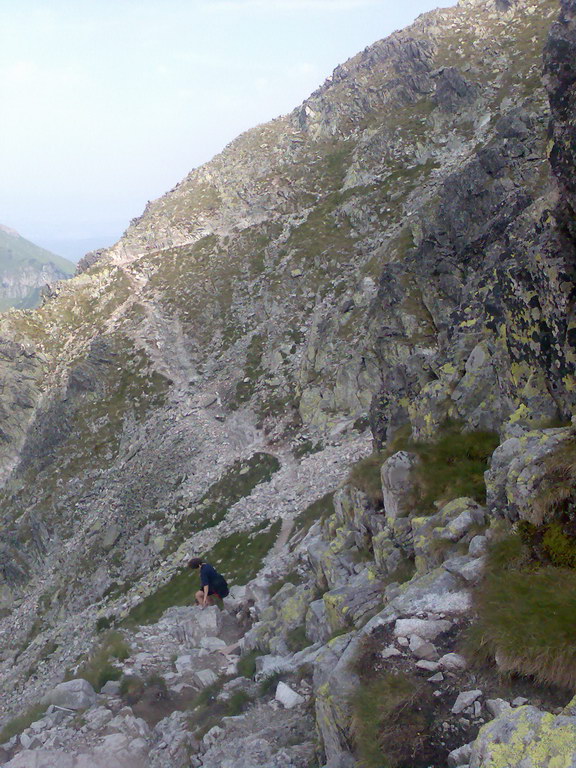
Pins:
x,y
236,483
239,556
391,722
320,509
21,722
99,668
453,466
246,666
526,615
180,590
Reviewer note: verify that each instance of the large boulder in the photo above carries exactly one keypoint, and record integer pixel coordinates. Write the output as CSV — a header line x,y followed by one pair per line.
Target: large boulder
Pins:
x,y
397,485
526,737
351,605
74,694
516,470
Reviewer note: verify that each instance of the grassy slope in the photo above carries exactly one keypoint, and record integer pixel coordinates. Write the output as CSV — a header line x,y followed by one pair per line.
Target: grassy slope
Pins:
x,y
16,252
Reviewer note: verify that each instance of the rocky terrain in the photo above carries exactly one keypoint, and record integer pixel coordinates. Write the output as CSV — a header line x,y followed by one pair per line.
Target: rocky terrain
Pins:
x,y
25,269
338,361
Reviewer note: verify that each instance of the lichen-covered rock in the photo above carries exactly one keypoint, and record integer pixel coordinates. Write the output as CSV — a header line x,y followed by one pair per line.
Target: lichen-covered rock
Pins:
x,y
458,520
317,627
351,605
396,484
526,737
516,471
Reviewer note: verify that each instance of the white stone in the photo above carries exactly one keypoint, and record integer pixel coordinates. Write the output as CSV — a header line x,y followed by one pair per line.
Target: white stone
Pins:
x,y
287,697
453,662
465,700
497,706
212,643
429,666
424,628
478,546
519,701
423,649
205,677
390,651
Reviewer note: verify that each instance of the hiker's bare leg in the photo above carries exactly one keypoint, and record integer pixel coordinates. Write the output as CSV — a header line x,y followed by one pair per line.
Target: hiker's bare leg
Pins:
x,y
200,598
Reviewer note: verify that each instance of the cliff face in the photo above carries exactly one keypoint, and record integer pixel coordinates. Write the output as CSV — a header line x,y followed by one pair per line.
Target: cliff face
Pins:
x,y
395,253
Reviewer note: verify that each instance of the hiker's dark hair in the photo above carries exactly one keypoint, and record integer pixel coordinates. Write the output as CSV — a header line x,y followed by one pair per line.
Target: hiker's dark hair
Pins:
x,y
196,562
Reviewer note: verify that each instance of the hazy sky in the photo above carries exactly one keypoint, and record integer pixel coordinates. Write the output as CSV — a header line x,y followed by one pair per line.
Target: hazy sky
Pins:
x,y
106,104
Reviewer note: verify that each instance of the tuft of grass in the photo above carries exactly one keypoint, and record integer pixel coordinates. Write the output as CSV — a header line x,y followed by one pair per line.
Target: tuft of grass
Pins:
x,y
453,466
365,473
390,722
99,667
296,639
519,598
104,622
318,510
246,666
180,590
556,497
208,708
290,578
240,555
21,722
365,476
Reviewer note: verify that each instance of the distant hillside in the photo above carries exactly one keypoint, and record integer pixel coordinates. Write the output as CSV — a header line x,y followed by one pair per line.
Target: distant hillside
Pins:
x,y
25,268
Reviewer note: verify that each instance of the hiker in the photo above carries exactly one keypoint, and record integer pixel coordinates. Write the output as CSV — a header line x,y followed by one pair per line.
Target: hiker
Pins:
x,y
211,582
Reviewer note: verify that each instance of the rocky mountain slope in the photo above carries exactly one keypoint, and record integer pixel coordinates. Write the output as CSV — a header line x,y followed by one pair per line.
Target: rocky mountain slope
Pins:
x,y
25,269
300,362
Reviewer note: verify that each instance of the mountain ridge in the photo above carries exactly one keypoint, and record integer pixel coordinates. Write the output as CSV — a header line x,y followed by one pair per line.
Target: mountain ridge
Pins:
x,y
390,254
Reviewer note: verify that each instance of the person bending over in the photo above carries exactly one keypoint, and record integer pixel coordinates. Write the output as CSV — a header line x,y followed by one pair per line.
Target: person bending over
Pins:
x,y
211,582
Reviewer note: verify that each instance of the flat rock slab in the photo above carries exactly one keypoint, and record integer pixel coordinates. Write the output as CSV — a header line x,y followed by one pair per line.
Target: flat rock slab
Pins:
x,y
427,629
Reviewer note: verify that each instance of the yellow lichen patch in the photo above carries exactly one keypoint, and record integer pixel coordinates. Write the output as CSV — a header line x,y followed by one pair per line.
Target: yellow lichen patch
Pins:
x,y
547,744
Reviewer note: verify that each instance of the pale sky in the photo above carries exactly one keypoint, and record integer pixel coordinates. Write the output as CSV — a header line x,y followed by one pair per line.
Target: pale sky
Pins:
x,y
106,104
